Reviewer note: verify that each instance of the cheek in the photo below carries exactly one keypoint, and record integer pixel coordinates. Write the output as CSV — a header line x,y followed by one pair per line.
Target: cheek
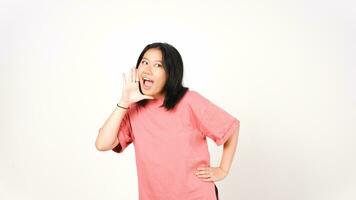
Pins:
x,y
162,81
139,70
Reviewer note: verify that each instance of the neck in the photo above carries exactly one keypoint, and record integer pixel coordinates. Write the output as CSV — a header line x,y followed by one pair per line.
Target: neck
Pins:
x,y
159,97
157,100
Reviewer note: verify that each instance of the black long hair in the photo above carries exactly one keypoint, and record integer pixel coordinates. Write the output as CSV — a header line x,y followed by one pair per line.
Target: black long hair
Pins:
x,y
173,66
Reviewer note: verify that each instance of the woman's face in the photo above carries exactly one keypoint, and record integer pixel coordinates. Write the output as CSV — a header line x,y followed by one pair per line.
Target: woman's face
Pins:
x,y
152,74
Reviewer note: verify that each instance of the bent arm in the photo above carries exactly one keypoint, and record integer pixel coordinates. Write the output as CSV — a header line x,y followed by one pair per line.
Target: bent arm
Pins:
x,y
107,137
229,151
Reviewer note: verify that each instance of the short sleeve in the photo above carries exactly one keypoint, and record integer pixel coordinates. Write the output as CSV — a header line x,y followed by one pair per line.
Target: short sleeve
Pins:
x,y
124,134
211,120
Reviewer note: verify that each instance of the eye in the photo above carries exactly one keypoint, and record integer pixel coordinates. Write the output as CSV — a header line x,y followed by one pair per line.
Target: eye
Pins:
x,y
143,62
158,65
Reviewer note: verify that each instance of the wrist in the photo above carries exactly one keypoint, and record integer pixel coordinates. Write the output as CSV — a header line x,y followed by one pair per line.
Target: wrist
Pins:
x,y
124,103
224,170
121,107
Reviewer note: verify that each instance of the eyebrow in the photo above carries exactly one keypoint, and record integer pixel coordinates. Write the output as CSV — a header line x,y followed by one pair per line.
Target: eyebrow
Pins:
x,y
149,59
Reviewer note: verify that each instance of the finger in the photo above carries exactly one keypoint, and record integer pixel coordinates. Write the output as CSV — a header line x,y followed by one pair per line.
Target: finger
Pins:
x,y
137,79
131,76
208,179
202,168
203,175
134,75
124,79
201,172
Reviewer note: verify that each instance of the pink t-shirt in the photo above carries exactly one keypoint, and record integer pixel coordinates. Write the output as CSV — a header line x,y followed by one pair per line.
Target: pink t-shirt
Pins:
x,y
171,145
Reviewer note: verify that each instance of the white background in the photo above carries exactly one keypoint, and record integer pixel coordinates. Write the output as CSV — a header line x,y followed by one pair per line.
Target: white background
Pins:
x,y
285,69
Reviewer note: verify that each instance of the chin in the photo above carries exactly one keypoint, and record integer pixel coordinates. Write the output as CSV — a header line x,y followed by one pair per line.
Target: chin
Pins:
x,y
148,93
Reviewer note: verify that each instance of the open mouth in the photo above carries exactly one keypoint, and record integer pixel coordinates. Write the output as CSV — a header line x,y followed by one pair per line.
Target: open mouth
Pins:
x,y
147,83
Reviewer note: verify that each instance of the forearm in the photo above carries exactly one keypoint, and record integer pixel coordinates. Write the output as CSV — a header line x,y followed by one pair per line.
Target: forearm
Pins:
x,y
108,132
228,152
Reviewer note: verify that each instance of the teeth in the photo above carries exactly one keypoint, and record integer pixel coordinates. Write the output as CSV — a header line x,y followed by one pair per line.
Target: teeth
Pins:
x,y
146,79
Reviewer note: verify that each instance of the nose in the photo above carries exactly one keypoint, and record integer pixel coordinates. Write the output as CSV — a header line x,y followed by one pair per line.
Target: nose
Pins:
x,y
147,69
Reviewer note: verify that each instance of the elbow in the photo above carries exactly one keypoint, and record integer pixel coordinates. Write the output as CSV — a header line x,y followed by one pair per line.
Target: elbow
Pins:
x,y
99,145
